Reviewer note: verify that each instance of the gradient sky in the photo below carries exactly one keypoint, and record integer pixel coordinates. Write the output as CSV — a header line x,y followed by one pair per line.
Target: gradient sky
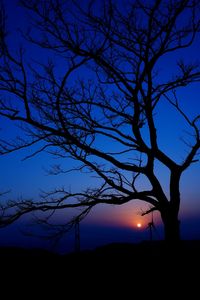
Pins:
x,y
106,223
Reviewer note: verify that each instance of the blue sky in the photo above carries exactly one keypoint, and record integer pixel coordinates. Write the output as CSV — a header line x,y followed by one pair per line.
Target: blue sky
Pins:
x,y
106,223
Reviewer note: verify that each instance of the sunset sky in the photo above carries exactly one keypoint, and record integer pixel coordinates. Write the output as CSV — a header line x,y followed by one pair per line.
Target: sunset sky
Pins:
x,y
105,223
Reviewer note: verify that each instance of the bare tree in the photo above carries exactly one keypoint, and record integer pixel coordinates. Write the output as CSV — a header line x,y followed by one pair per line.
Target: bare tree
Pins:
x,y
107,120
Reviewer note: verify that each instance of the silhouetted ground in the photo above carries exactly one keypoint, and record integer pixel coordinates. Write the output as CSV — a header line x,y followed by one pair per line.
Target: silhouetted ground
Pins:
x,y
138,254
144,268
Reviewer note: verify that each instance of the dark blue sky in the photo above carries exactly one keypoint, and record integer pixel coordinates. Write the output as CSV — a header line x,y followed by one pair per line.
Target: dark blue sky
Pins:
x,y
106,223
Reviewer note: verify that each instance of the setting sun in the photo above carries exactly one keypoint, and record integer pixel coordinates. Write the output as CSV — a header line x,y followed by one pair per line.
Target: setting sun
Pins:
x,y
139,225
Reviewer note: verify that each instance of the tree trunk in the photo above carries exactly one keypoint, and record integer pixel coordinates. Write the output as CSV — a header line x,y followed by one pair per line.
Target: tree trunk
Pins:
x,y
171,229
170,212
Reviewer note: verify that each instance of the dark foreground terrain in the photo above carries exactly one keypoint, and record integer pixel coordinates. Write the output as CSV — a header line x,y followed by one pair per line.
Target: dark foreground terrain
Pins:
x,y
157,254
154,268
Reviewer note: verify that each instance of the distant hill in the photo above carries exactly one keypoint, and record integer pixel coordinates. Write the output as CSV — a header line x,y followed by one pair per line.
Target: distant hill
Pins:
x,y
15,252
120,250
135,256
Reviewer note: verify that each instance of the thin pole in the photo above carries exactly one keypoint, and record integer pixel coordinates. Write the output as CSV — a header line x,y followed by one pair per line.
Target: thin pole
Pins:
x,y
77,237
150,232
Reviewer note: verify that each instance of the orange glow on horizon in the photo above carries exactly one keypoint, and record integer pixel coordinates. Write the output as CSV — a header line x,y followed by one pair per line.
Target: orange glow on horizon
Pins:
x,y
126,216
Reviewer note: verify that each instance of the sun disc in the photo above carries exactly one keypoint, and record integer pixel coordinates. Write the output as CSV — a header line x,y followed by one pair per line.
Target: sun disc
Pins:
x,y
139,225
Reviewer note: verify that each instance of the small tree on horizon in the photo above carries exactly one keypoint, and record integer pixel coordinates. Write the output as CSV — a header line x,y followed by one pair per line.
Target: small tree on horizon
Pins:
x,y
100,109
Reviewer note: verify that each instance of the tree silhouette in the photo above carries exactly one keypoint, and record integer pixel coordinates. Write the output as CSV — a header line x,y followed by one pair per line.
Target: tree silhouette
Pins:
x,y
105,120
